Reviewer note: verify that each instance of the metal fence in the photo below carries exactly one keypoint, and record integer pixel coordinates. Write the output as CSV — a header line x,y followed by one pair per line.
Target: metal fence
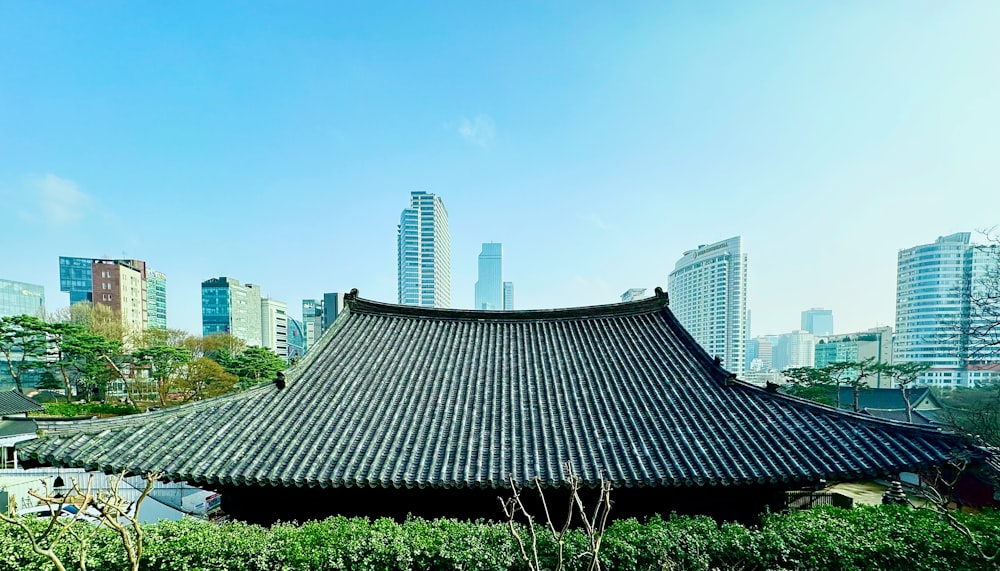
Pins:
x,y
805,499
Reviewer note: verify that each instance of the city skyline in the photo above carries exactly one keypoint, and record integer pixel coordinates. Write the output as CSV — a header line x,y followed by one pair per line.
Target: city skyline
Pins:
x,y
632,134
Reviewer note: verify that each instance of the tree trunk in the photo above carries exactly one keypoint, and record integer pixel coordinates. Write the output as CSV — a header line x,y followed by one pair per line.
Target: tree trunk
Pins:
x,y
909,408
65,376
16,376
161,390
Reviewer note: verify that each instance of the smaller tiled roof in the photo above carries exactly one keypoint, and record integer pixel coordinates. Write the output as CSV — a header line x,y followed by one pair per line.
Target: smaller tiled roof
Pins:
x,y
899,415
883,399
17,427
46,396
13,402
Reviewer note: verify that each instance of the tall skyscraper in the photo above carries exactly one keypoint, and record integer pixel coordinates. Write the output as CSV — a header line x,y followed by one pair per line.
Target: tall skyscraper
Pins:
x,y
229,307
934,288
818,321
489,287
312,321
708,294
274,326
508,296
424,252
19,298
156,299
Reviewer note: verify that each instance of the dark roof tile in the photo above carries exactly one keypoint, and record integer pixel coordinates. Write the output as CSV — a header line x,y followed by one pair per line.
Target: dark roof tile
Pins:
x,y
13,402
397,396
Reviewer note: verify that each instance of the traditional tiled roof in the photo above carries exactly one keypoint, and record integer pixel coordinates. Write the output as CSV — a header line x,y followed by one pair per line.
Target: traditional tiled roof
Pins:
x,y
13,402
396,396
916,416
886,399
17,427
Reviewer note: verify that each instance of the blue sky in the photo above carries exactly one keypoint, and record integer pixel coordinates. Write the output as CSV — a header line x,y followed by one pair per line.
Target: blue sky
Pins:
x,y
277,143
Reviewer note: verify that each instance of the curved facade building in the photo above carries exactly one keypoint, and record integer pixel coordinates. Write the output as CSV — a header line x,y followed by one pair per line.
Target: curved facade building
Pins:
x,y
934,287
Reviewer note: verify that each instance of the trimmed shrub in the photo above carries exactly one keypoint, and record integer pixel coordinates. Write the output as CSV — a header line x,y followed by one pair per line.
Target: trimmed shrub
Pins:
x,y
883,537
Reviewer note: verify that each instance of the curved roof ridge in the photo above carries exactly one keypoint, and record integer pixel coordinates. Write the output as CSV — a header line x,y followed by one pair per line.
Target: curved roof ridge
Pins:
x,y
648,305
400,396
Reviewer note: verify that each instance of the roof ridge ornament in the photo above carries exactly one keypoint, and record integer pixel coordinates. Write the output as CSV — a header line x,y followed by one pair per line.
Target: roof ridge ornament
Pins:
x,y
662,294
351,295
279,380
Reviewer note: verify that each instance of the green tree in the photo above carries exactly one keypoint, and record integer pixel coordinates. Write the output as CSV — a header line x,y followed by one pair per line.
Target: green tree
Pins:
x,y
820,384
216,344
23,342
256,364
84,358
48,381
204,378
856,375
905,375
163,362
812,384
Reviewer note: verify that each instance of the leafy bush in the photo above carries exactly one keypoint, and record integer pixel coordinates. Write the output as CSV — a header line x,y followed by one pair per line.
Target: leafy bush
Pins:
x,y
88,409
884,537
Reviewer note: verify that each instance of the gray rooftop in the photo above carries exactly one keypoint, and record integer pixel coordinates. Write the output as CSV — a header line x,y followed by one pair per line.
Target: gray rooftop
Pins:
x,y
396,396
13,402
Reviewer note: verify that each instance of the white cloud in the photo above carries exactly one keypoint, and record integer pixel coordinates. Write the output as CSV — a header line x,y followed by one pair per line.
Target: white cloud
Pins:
x,y
596,220
60,201
479,130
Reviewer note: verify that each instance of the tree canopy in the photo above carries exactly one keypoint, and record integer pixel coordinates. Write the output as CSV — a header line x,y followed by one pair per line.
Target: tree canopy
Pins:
x,y
84,352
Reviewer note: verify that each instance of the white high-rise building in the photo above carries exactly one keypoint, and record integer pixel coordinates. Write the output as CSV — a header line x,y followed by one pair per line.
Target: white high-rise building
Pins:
x,y
489,287
635,294
795,349
424,252
508,296
708,294
274,326
935,284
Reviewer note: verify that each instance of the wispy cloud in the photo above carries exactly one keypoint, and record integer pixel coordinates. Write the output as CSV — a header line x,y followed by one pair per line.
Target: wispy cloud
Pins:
x,y
595,220
57,201
479,130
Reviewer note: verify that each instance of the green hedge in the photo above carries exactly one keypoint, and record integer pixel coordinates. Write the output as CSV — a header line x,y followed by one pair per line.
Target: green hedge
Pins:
x,y
88,409
885,538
